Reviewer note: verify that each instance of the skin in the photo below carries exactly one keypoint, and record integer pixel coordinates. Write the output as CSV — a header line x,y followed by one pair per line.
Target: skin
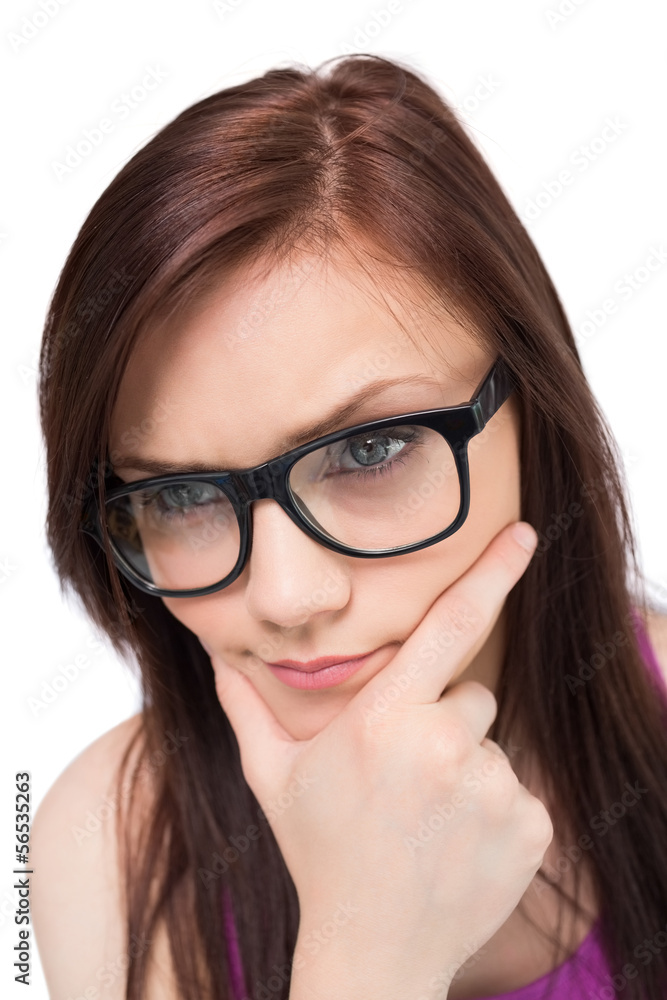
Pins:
x,y
231,400
210,383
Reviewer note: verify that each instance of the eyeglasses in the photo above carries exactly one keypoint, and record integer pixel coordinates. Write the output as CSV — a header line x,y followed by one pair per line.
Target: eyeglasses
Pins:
x,y
374,490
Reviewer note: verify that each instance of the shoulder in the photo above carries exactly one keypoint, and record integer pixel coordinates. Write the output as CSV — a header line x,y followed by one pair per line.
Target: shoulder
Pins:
x,y
77,897
80,792
656,626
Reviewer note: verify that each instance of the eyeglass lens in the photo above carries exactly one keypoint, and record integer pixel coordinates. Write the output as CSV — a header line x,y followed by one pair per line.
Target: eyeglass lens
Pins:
x,y
382,490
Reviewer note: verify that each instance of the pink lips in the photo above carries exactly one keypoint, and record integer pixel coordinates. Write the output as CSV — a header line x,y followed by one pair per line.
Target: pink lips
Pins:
x,y
315,674
311,665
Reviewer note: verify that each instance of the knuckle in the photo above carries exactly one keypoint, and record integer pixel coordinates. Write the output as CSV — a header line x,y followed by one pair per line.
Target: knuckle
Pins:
x,y
501,789
506,780
451,743
499,764
484,694
543,828
538,830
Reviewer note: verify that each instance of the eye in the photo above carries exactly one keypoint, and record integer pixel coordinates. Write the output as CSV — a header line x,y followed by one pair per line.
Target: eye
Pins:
x,y
370,449
184,495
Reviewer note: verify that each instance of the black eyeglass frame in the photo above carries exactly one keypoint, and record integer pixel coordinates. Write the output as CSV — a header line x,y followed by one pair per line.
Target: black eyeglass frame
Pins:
x,y
457,424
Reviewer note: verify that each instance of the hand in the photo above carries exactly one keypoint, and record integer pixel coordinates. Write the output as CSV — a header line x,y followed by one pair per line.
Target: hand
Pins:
x,y
372,781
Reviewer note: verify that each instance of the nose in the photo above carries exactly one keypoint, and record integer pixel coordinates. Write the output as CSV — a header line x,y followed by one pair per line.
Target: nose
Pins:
x,y
289,576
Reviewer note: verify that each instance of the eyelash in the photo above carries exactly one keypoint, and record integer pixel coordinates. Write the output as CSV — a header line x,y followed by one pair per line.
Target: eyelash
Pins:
x,y
146,502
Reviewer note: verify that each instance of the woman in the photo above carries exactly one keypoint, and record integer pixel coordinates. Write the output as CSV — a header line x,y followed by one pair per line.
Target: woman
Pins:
x,y
477,800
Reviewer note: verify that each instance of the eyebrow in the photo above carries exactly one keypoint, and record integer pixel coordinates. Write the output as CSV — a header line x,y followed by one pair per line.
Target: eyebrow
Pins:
x,y
332,421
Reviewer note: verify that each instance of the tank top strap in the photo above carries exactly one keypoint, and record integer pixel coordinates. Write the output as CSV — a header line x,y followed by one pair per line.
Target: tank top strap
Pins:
x,y
648,654
236,976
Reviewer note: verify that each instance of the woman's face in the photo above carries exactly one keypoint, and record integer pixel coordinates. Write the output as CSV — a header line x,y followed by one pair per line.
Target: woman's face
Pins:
x,y
261,359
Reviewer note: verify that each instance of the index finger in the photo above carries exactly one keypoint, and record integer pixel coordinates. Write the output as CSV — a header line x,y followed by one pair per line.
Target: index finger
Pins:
x,y
426,661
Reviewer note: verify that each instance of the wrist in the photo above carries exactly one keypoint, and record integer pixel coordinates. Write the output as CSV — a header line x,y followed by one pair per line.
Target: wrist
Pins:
x,y
343,967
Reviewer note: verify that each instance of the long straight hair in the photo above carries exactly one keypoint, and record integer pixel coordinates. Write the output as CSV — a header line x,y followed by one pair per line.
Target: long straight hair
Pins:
x,y
360,149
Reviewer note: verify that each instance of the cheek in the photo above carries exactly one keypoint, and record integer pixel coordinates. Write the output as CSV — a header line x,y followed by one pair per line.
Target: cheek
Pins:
x,y
410,584
495,476
399,591
216,620
393,595
205,616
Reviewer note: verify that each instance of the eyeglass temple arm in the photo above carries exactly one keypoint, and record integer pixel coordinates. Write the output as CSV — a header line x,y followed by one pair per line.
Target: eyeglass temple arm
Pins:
x,y
496,386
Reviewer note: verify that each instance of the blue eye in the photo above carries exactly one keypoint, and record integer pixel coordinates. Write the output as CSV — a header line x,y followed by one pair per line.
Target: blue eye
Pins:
x,y
185,495
177,500
374,454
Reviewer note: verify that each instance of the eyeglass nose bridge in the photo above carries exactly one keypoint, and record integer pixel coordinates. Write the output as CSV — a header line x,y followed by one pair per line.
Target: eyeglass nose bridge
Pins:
x,y
268,482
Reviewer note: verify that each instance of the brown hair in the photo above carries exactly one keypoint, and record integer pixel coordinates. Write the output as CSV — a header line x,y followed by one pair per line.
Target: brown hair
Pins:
x,y
364,147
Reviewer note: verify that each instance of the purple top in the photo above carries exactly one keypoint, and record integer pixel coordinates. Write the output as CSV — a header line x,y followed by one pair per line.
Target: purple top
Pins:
x,y
585,970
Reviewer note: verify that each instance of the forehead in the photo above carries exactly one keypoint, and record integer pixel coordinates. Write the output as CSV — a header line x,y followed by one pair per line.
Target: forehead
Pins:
x,y
263,354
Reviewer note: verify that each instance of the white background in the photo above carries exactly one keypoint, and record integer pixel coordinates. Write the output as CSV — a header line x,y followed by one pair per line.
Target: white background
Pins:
x,y
537,88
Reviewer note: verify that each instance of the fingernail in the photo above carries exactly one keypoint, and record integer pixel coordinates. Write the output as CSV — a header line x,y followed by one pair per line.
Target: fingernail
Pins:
x,y
525,535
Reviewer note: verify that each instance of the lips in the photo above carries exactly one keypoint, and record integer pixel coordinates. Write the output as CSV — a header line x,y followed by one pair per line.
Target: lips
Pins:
x,y
310,666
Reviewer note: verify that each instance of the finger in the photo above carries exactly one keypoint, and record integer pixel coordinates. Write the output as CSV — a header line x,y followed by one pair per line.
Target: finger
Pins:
x,y
264,744
473,704
495,748
426,661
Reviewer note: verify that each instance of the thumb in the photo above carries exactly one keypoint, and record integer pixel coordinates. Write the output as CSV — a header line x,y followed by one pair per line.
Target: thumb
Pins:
x,y
263,743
